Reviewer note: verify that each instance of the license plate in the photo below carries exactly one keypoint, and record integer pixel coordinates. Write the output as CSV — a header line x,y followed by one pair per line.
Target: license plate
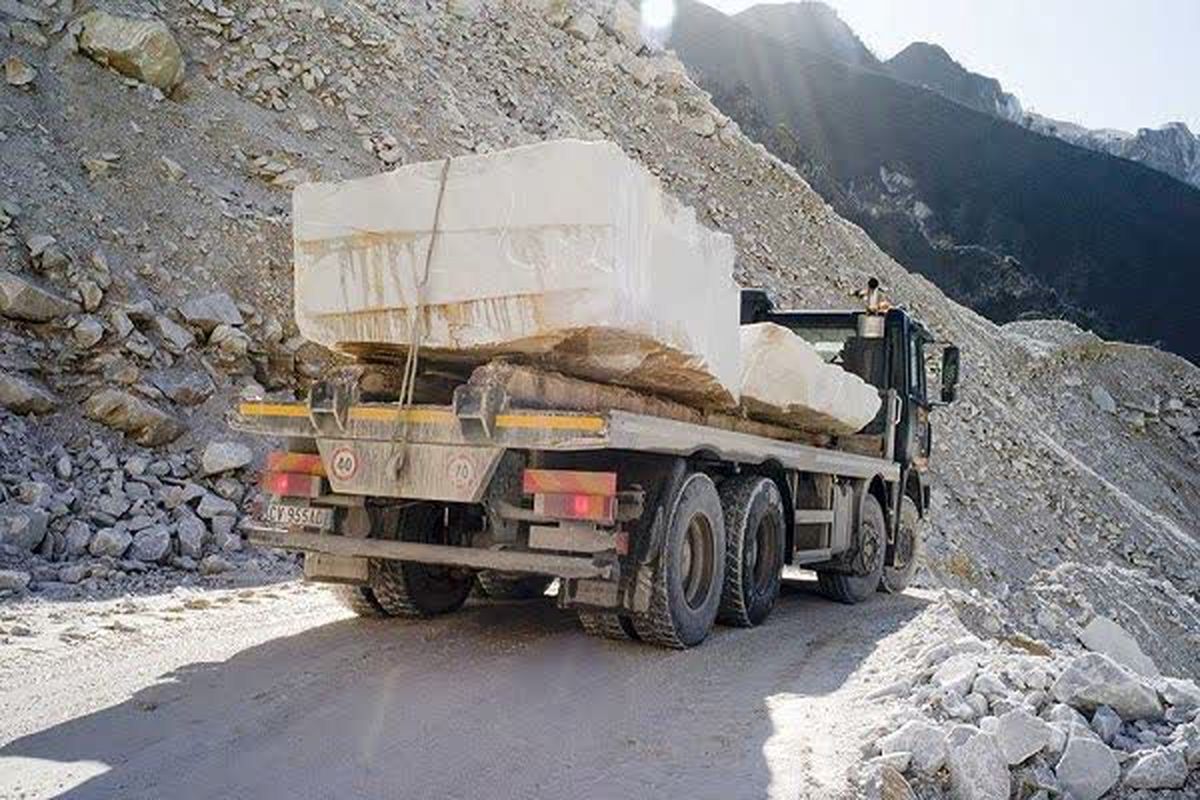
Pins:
x,y
286,516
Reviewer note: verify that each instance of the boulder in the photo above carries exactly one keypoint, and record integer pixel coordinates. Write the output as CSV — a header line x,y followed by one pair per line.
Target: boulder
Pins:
x,y
212,506
192,533
141,421
176,337
22,527
111,542
22,299
978,770
926,743
13,580
224,457
881,781
78,536
623,22
1102,635
1094,679
1087,768
1106,723
583,26
152,544
1179,692
144,49
187,387
1021,735
23,395
215,564
1160,769
211,310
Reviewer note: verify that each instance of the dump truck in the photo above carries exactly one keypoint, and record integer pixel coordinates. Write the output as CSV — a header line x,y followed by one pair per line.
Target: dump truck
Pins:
x,y
654,520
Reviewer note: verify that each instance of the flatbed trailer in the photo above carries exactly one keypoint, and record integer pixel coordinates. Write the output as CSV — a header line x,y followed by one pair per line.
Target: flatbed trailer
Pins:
x,y
654,527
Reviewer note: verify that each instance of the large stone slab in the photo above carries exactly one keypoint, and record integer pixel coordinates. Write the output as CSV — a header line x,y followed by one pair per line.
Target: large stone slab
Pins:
x,y
25,396
567,254
785,380
1094,680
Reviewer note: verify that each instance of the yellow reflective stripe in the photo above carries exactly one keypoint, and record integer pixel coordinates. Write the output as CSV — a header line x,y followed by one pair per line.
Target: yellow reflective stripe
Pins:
x,y
429,416
272,410
549,421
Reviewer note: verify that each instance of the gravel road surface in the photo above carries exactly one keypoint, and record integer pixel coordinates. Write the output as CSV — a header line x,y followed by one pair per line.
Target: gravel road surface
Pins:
x,y
276,692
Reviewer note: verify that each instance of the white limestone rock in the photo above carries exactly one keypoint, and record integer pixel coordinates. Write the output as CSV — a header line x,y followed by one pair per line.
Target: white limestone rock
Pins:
x,y
978,770
1021,735
1102,635
1087,768
566,253
926,743
1094,679
1159,769
957,673
785,380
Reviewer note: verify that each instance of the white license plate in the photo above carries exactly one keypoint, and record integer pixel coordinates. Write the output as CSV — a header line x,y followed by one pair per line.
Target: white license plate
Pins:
x,y
286,516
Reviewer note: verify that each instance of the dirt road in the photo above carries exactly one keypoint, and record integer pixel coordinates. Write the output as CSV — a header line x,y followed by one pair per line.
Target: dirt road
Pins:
x,y
276,692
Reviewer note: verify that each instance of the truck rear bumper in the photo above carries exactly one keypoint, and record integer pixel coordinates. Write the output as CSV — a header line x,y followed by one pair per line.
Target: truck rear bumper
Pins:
x,y
474,558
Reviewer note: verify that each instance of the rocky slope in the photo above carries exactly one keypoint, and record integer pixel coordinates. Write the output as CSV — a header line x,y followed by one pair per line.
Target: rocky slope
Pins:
x,y
1066,481
1171,149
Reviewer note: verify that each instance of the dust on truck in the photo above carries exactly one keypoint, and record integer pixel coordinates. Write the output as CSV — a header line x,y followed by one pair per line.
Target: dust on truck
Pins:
x,y
656,519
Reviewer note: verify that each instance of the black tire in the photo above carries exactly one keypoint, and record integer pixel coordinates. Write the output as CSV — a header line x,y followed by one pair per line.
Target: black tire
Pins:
x,y
867,564
499,586
909,543
407,589
607,625
755,536
359,599
687,582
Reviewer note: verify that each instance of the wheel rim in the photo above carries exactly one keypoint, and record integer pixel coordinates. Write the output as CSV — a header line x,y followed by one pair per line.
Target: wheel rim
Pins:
x,y
697,561
761,550
870,552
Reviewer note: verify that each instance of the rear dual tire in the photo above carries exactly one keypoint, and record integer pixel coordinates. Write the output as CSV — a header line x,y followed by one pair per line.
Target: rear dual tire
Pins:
x,y
688,580
755,534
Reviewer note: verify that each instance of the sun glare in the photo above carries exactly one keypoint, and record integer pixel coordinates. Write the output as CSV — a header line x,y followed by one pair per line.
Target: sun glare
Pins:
x,y
657,16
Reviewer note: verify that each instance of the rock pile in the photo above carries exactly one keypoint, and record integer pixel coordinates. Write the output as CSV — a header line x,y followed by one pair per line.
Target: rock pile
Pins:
x,y
986,722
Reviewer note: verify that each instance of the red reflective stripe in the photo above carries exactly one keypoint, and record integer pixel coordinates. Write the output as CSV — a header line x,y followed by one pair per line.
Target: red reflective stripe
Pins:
x,y
569,481
306,463
291,484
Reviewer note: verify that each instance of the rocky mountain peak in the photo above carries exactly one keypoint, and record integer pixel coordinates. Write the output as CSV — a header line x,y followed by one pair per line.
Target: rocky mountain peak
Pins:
x,y
811,26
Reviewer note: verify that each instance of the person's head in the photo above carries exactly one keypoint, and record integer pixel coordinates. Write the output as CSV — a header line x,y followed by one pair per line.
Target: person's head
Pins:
x,y
873,283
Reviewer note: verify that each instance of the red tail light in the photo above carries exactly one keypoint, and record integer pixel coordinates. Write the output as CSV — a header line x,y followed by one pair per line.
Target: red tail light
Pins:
x,y
592,507
292,484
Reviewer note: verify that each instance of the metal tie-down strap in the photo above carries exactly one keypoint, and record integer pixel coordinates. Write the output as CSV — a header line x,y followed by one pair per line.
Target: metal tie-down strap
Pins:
x,y
416,331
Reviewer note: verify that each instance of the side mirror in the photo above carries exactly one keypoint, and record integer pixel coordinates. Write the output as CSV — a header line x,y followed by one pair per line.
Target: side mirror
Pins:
x,y
950,357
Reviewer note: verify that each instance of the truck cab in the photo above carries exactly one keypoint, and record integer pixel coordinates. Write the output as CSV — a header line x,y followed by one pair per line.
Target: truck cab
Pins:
x,y
888,349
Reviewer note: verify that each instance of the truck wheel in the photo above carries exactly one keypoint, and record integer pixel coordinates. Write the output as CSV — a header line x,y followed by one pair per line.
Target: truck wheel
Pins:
x,y
686,590
909,539
359,599
867,565
754,544
499,586
408,589
607,625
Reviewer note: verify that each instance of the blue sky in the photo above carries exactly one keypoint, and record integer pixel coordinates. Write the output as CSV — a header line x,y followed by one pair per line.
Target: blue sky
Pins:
x,y
1102,63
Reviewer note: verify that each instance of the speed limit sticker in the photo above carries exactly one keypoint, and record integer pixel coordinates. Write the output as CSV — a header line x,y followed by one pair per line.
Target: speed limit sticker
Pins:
x,y
343,464
460,472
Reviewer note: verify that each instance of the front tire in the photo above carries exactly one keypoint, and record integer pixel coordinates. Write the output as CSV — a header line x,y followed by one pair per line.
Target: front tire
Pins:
x,y
909,543
409,589
867,565
688,579
755,535
359,599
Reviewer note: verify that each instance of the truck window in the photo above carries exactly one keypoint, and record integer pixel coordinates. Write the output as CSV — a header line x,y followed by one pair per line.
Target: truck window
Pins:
x,y
916,369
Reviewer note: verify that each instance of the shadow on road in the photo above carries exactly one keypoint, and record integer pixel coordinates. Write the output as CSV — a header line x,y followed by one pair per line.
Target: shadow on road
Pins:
x,y
499,701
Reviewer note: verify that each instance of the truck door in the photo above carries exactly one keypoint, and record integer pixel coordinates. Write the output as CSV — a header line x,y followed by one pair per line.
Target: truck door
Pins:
x,y
908,362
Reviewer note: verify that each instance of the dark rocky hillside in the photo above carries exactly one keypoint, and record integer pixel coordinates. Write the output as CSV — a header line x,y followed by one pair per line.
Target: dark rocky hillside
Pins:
x,y
930,66
1008,221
